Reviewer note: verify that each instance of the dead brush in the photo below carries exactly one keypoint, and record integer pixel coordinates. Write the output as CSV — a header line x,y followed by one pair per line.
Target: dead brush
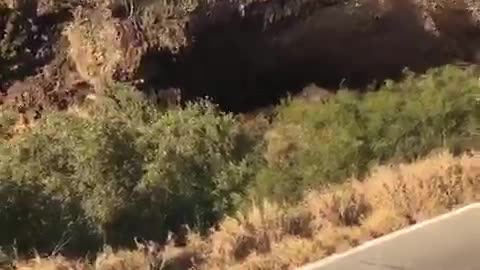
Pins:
x,y
255,232
417,192
52,263
234,241
339,218
290,253
148,256
103,49
343,206
145,257
278,236
23,104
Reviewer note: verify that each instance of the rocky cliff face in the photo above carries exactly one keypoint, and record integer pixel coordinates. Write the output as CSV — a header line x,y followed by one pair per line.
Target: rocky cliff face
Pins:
x,y
243,54
279,47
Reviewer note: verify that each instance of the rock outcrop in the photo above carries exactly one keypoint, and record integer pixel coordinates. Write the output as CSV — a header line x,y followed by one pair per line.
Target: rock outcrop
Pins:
x,y
244,54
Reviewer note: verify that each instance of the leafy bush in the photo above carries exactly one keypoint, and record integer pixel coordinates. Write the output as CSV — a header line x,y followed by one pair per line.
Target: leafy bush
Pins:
x,y
7,121
120,168
316,144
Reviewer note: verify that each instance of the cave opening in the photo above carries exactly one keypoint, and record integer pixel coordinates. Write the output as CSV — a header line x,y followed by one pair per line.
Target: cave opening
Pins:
x,y
243,66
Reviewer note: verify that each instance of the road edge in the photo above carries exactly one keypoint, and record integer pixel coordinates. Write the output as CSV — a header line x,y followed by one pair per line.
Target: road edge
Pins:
x,y
390,236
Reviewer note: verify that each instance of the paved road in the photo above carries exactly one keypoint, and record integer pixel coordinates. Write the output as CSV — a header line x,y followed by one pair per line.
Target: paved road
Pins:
x,y
448,242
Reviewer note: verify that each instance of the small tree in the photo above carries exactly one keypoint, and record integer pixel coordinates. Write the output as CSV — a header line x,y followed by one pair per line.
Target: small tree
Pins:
x,y
121,168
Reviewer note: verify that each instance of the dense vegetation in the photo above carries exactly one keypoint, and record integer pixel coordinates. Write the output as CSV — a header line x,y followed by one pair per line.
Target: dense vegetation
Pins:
x,y
350,133
120,167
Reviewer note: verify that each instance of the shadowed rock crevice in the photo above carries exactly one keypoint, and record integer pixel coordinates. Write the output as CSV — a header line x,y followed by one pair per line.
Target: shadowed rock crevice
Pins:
x,y
29,41
246,62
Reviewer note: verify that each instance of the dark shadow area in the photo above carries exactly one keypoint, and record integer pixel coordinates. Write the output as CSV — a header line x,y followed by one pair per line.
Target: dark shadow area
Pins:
x,y
246,58
28,43
159,69
32,221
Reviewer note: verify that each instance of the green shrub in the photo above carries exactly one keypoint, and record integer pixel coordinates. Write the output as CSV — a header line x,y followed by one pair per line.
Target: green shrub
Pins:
x,y
119,167
29,216
7,121
351,132
122,169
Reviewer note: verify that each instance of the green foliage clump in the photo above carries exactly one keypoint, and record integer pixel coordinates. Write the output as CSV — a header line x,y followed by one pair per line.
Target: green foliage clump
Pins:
x,y
119,169
316,144
7,121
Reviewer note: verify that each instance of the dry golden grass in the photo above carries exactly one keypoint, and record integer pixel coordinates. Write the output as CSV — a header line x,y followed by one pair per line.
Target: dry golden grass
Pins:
x,y
92,48
106,49
52,263
275,236
281,237
102,48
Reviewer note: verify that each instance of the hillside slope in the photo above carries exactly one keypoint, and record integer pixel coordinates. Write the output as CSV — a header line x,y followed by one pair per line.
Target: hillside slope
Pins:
x,y
244,55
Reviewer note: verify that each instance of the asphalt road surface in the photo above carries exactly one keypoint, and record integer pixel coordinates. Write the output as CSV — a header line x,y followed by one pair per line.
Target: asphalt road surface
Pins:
x,y
448,242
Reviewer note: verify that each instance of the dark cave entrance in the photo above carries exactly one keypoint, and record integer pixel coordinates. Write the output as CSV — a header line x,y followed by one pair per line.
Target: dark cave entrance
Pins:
x,y
243,66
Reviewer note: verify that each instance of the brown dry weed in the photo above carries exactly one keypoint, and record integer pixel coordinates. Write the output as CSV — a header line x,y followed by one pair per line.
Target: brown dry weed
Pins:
x,y
280,236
